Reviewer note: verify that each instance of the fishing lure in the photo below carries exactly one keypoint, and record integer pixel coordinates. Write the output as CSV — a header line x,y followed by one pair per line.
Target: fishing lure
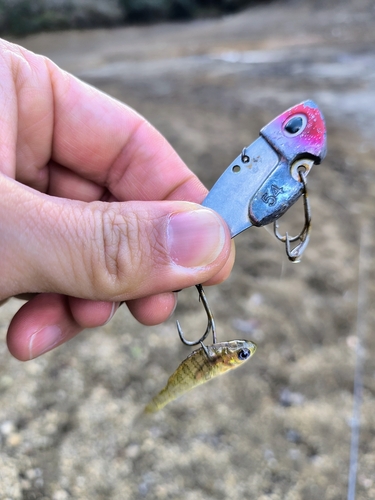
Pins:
x,y
200,366
266,179
259,186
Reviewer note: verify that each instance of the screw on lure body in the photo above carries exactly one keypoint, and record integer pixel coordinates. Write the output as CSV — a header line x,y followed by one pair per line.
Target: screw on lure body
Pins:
x,y
266,179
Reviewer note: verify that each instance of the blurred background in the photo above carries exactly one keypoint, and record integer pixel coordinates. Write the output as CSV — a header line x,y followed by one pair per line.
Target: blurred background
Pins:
x,y
22,17
209,75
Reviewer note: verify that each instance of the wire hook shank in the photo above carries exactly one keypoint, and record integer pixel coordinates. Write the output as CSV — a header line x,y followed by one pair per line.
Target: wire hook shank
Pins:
x,y
210,322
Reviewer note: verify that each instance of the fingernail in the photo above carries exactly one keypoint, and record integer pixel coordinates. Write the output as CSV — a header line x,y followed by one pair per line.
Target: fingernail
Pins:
x,y
195,238
44,340
175,303
115,306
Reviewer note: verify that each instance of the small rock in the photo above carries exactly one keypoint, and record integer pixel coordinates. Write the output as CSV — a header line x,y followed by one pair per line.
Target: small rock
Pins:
x,y
132,450
14,439
7,428
289,398
60,495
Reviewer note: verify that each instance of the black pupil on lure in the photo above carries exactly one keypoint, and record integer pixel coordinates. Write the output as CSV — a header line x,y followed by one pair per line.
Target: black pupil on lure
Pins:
x,y
294,125
243,354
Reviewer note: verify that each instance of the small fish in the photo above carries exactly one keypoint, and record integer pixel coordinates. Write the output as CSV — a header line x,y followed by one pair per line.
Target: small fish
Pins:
x,y
201,366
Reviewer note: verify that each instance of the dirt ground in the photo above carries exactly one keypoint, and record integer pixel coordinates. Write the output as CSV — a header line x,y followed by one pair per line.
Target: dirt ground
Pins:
x,y
280,427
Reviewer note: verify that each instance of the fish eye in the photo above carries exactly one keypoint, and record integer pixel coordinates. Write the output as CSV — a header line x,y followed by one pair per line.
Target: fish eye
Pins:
x,y
295,125
243,354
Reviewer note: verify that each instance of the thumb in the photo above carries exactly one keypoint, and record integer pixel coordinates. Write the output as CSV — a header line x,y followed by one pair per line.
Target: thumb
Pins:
x,y
105,251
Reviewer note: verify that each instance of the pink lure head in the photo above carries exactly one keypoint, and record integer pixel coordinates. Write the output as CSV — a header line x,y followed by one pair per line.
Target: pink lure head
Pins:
x,y
299,132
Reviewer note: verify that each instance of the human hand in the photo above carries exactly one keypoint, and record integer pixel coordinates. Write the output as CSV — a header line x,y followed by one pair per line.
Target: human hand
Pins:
x,y
90,209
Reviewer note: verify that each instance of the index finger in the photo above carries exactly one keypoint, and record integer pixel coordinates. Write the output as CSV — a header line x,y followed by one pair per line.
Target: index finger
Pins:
x,y
109,143
54,116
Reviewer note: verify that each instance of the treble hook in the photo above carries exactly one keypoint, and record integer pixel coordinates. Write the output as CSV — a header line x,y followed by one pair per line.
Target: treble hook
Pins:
x,y
296,253
210,322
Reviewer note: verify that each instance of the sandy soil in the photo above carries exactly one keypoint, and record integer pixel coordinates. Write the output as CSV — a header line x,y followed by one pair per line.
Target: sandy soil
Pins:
x,y
280,427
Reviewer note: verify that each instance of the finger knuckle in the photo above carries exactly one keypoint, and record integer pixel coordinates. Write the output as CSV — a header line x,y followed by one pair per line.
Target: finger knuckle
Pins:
x,y
127,247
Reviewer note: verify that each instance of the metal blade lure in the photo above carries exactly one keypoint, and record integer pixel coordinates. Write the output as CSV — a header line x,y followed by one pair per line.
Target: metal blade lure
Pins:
x,y
266,179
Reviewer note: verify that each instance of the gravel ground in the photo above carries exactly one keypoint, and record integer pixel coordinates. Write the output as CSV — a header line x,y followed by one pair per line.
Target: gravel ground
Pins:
x,y
280,427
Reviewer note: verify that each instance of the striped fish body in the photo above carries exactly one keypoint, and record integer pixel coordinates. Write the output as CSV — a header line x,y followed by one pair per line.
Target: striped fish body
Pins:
x,y
200,367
